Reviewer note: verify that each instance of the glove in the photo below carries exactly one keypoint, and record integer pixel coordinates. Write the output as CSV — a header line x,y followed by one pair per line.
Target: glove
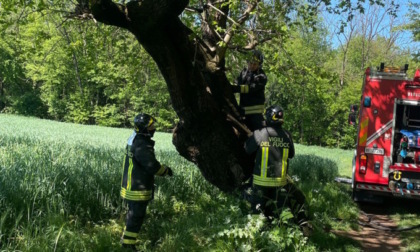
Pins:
x,y
169,172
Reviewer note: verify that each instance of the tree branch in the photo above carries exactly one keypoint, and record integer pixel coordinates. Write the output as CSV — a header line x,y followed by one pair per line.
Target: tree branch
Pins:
x,y
108,12
221,12
229,34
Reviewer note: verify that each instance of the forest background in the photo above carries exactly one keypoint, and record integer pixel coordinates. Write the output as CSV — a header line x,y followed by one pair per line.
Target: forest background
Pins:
x,y
70,70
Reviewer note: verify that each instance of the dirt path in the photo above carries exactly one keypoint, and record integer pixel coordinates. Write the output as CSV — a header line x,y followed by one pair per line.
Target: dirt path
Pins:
x,y
372,239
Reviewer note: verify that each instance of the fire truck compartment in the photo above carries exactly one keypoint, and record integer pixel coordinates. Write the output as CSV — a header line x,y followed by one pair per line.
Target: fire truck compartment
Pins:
x,y
407,123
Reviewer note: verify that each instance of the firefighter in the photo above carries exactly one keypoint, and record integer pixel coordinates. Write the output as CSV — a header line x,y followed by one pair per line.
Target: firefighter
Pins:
x,y
140,167
251,84
272,188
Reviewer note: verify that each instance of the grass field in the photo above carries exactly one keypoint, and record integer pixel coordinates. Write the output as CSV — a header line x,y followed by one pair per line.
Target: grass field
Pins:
x,y
59,191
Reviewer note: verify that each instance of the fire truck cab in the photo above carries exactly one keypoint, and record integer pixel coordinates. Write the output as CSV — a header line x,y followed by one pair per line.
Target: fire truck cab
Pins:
x,y
387,156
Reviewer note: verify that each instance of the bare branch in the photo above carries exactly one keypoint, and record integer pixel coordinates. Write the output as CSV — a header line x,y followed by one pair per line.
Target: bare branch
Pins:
x,y
254,43
229,33
194,9
221,12
250,46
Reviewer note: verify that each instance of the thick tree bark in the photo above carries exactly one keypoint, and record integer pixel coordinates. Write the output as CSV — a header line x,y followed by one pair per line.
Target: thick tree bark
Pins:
x,y
199,89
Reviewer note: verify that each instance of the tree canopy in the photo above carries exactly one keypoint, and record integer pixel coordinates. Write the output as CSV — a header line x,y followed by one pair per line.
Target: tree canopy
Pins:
x,y
60,59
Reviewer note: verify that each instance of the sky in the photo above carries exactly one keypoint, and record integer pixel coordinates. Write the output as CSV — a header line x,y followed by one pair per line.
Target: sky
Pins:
x,y
383,27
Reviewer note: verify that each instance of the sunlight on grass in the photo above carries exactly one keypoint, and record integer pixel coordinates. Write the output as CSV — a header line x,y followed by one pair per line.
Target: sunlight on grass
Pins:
x,y
341,158
68,196
406,218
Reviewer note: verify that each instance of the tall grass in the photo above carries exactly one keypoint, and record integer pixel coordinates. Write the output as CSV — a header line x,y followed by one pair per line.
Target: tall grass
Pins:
x,y
342,159
59,191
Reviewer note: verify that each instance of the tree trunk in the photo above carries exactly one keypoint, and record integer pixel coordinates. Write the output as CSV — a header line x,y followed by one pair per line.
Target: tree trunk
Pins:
x,y
75,61
198,87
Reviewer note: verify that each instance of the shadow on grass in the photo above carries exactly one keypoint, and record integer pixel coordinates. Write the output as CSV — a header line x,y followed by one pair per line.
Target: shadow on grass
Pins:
x,y
184,218
330,203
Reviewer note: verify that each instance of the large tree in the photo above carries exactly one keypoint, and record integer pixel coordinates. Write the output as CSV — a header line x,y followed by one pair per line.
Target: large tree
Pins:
x,y
189,41
193,68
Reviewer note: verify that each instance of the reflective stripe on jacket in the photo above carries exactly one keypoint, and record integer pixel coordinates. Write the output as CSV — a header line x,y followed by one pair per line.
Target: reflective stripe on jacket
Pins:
x,y
257,109
139,168
274,147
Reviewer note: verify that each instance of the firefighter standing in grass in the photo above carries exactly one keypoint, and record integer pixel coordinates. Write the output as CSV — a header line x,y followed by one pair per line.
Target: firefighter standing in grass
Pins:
x,y
251,84
140,167
272,189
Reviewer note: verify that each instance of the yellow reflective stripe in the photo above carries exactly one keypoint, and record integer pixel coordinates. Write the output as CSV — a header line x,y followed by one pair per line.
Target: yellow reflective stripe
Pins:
x,y
136,195
365,122
244,89
150,122
254,109
284,162
161,171
264,161
144,193
129,241
269,182
363,131
130,234
122,176
132,198
130,170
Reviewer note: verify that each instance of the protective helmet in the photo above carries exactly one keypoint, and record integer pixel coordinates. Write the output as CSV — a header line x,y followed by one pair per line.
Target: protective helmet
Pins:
x,y
257,56
274,115
142,122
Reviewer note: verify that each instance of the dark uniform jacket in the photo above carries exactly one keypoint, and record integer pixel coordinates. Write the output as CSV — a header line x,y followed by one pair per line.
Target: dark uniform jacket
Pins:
x,y
140,166
251,89
274,147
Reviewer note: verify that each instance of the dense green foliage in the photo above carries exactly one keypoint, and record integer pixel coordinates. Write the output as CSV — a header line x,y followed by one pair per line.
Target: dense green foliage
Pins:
x,y
59,190
414,25
79,72
85,72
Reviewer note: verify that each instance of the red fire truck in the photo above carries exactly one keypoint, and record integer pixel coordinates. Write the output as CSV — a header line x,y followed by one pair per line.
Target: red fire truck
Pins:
x,y
387,156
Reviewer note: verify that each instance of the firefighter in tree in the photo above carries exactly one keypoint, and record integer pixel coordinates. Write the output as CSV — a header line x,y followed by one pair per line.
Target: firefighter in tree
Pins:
x,y
272,188
251,84
140,167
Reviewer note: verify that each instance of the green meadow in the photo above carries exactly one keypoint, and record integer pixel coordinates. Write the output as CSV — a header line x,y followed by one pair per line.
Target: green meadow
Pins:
x,y
60,182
